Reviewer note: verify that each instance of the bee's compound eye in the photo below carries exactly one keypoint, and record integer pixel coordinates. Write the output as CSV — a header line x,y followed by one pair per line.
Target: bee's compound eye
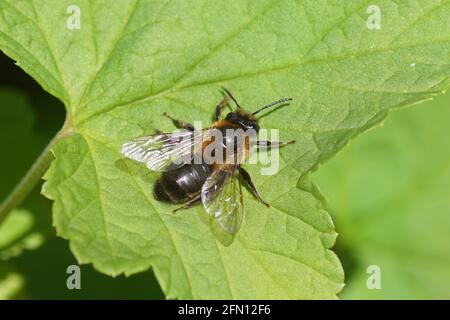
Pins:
x,y
251,125
231,116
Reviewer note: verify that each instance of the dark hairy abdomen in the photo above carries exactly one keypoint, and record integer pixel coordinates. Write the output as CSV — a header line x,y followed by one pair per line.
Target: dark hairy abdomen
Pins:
x,y
181,184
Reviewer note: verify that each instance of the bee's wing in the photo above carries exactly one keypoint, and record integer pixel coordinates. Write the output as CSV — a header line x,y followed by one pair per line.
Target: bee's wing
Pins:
x,y
222,199
164,151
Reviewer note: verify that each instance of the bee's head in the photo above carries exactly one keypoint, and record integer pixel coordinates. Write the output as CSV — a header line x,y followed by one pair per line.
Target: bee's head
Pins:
x,y
244,119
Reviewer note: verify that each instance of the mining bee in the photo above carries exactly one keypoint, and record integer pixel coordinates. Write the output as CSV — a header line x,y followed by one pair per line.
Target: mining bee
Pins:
x,y
217,184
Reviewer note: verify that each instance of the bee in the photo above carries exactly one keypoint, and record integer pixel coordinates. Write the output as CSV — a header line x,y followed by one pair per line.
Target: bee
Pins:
x,y
214,184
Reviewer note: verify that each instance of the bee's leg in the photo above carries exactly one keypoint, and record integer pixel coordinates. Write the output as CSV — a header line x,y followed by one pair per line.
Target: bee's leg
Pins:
x,y
179,123
190,203
246,177
264,144
219,108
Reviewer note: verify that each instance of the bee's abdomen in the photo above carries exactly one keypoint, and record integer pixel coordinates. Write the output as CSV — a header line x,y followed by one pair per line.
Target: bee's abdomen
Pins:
x,y
181,184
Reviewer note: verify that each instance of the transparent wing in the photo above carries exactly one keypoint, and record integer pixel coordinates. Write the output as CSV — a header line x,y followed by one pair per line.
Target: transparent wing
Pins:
x,y
222,199
164,151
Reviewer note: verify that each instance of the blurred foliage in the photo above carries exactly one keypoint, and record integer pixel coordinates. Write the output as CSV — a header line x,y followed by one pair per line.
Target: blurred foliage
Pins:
x,y
16,234
388,195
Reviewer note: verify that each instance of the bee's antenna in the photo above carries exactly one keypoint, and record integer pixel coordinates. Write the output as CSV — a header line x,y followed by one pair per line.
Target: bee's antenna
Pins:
x,y
272,104
231,96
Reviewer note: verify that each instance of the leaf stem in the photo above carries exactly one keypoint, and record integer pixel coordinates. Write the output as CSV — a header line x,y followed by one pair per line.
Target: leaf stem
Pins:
x,y
34,174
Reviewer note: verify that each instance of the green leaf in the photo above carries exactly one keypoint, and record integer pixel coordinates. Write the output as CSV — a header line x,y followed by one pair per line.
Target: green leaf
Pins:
x,y
389,196
132,60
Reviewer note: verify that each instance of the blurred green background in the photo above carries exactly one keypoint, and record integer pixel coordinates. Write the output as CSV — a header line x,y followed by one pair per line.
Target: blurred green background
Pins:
x,y
387,192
